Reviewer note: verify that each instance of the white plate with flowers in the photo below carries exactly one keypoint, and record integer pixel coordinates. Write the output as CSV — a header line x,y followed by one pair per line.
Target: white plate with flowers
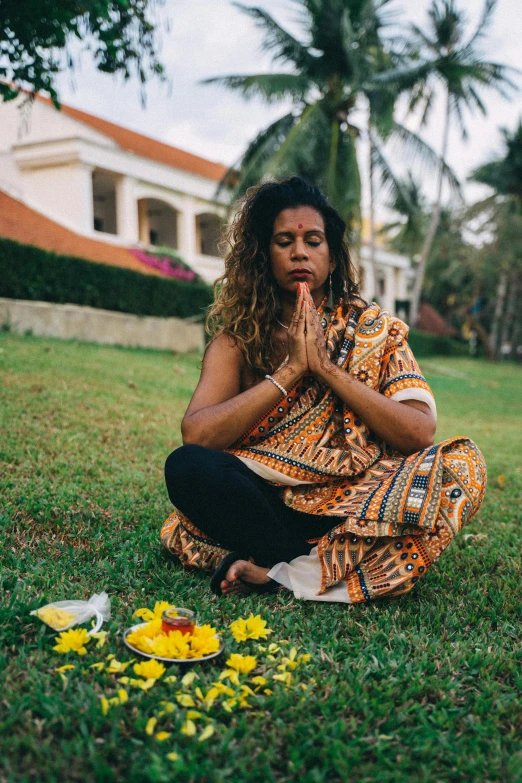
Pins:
x,y
149,641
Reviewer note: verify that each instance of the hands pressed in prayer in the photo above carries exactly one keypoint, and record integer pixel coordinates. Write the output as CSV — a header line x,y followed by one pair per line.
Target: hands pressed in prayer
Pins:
x,y
408,426
306,343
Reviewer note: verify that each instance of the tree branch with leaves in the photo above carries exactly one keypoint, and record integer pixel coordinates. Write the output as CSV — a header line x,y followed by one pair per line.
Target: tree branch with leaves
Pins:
x,y
37,40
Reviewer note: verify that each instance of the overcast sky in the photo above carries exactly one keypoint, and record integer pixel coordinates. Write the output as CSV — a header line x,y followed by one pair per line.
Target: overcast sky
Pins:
x,y
202,38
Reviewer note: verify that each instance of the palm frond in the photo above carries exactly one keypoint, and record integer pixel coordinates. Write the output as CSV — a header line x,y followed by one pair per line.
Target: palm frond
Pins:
x,y
283,46
484,22
253,164
271,87
404,76
289,147
418,150
391,184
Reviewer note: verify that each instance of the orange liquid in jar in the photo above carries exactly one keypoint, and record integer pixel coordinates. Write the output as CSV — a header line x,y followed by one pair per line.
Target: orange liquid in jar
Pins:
x,y
177,622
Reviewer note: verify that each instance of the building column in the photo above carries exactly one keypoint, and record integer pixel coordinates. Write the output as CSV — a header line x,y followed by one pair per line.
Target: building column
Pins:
x,y
389,295
126,210
187,231
143,221
85,211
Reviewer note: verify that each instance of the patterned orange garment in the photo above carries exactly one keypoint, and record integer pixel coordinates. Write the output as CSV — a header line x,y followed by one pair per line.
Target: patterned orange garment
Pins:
x,y
393,515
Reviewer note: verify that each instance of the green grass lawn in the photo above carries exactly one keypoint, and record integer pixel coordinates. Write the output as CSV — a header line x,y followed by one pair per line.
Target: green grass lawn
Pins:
x,y
425,688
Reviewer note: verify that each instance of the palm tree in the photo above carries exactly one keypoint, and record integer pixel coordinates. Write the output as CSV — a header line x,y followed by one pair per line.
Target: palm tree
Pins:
x,y
451,60
503,215
406,234
333,72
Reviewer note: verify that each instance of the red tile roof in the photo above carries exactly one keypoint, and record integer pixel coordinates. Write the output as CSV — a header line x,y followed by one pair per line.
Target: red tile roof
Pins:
x,y
145,146
429,320
25,225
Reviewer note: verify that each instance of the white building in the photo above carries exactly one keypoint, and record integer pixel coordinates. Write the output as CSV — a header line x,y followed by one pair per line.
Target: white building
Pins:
x,y
112,185
394,278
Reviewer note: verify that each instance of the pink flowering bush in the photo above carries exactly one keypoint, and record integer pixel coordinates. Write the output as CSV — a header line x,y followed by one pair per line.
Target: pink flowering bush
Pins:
x,y
168,266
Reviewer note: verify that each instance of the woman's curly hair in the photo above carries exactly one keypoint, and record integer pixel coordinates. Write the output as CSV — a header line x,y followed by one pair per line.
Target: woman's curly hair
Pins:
x,y
246,301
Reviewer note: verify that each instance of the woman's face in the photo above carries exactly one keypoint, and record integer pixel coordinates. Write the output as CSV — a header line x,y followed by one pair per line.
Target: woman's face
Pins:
x,y
299,251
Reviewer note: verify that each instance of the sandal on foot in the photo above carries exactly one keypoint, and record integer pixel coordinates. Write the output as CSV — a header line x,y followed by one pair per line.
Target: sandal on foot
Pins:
x,y
221,571
267,587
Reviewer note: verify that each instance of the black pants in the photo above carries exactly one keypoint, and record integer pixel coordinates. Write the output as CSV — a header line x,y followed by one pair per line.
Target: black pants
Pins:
x,y
237,508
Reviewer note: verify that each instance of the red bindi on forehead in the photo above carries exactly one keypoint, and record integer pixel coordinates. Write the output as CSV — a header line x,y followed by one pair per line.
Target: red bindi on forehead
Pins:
x,y
300,225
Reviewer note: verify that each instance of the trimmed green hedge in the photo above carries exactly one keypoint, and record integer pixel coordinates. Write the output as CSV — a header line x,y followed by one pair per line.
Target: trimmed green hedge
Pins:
x,y
28,272
426,344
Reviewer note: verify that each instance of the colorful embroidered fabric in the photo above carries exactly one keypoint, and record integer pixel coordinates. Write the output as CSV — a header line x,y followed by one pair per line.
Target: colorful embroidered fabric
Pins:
x,y
398,513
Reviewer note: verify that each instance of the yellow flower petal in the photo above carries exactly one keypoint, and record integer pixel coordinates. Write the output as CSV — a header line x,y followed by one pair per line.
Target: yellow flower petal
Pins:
x,y
151,725
188,728
66,668
193,714
188,679
226,707
222,688
207,732
116,667
242,663
170,679
98,666
172,756
149,669
144,685
231,675
185,699
101,636
211,696
161,736
73,640
123,695
104,705
144,614
249,628
259,680
169,706
159,608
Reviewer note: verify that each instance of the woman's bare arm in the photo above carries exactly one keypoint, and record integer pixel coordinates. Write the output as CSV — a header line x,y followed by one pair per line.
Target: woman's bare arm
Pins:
x,y
219,412
407,426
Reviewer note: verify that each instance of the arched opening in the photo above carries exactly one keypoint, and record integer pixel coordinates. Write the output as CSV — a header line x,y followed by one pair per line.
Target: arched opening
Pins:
x,y
104,201
158,223
208,230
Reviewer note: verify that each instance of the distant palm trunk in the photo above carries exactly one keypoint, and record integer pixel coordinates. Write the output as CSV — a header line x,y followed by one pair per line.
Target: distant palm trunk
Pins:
x,y
434,223
373,261
494,337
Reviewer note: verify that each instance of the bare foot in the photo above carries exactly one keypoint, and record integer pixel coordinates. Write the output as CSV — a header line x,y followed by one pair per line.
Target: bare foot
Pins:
x,y
249,572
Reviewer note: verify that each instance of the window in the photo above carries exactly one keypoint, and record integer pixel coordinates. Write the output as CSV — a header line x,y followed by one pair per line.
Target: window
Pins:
x,y
104,201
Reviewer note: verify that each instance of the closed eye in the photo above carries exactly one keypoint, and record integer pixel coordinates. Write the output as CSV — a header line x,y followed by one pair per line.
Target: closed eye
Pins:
x,y
309,242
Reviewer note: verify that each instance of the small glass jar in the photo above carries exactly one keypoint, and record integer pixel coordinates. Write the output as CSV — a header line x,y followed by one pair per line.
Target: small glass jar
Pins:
x,y
177,619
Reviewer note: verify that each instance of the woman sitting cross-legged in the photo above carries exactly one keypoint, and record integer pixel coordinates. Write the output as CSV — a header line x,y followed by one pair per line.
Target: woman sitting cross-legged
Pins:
x,y
309,459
